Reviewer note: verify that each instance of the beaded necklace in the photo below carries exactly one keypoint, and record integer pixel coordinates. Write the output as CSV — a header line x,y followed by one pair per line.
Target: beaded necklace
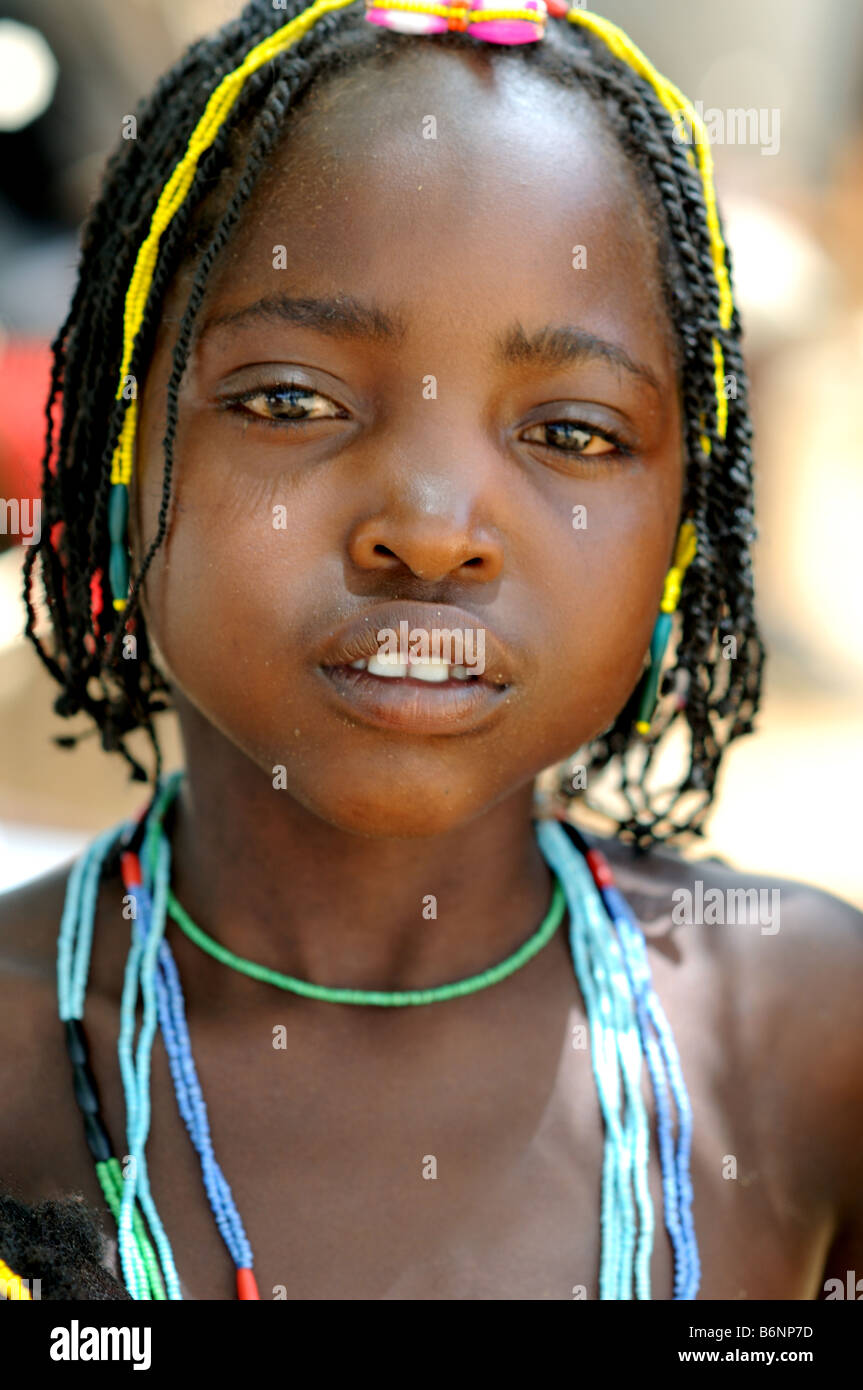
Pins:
x,y
379,998
625,1019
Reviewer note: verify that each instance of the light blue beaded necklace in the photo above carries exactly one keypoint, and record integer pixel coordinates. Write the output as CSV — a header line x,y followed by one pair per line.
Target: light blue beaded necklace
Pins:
x,y
625,1021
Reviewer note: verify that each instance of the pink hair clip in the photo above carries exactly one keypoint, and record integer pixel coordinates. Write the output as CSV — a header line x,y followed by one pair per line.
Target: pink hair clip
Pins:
x,y
504,23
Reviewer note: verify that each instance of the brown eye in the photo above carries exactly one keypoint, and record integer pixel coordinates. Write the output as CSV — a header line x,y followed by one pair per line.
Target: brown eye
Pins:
x,y
570,438
289,403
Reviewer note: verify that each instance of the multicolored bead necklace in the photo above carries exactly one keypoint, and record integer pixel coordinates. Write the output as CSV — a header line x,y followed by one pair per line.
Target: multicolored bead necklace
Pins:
x,y
625,1020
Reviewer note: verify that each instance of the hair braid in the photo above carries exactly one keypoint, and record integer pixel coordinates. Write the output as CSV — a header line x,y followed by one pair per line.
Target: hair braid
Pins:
x,y
649,138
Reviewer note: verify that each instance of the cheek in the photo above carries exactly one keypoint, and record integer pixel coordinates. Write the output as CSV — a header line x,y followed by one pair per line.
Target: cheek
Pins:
x,y
606,578
236,563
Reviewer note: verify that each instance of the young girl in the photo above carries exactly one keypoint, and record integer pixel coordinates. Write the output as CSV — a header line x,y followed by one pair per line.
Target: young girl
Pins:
x,y
398,440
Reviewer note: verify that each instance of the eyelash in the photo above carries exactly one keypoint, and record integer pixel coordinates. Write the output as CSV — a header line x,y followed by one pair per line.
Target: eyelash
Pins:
x,y
235,403
619,451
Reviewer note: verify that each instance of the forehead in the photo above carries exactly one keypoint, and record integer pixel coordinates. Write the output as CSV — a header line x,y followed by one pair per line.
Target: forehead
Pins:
x,y
446,182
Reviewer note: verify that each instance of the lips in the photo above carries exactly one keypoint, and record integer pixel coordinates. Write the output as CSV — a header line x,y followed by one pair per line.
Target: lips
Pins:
x,y
443,698
358,639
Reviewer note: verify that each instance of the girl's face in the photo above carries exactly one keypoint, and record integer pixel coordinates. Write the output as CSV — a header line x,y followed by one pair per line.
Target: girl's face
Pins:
x,y
452,268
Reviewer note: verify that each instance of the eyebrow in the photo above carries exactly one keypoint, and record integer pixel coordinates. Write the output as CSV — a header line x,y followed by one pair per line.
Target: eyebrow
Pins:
x,y
344,316
556,346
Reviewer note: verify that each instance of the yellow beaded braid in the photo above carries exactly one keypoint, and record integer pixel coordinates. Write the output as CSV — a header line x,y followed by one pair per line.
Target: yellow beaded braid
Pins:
x,y
13,1287
216,111
683,114
684,554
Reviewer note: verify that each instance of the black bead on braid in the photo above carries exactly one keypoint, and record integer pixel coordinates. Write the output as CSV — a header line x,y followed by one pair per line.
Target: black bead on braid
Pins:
x,y
717,598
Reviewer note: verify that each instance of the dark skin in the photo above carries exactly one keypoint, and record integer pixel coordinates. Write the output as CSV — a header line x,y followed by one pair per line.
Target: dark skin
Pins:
x,y
457,500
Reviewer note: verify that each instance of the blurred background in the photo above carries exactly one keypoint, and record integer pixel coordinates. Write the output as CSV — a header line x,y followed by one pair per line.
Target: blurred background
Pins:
x,y
780,83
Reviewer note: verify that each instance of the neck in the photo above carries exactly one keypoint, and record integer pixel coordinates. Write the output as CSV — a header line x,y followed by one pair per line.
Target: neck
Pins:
x,y
277,884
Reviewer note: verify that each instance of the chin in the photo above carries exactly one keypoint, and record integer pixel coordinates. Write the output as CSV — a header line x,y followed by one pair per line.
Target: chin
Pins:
x,y
407,810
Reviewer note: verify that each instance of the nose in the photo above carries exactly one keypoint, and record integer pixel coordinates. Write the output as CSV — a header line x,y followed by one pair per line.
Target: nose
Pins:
x,y
432,525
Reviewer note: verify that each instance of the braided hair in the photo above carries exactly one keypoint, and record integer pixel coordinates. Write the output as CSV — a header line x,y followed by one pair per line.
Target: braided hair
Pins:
x,y
60,1243
712,698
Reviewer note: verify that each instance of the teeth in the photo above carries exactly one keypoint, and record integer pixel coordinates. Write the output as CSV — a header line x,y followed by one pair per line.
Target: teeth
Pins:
x,y
432,671
385,666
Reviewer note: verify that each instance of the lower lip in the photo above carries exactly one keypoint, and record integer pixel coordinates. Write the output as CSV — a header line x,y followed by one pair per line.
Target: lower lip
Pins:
x,y
418,707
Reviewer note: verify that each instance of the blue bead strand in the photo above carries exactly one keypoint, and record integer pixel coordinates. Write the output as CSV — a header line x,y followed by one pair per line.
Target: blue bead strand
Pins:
x,y
191,1102
218,1189
664,1065
602,977
73,960
140,970
656,1067
681,1226
636,1129
76,924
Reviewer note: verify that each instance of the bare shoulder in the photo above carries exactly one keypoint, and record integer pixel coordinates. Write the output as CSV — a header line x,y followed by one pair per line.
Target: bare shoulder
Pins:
x,y
32,1063
784,932
776,966
30,923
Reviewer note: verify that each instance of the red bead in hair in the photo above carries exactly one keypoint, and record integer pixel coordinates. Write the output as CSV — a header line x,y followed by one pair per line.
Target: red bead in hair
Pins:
x,y
97,600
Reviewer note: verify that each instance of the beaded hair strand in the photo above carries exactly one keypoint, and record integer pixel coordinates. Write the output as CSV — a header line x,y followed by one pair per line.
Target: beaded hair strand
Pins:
x,y
103,349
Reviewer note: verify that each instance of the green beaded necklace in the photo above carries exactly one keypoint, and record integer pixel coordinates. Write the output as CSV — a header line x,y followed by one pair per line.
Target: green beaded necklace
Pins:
x,y
377,997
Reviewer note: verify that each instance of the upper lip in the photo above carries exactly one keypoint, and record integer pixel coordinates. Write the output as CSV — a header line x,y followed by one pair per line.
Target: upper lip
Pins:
x,y
358,637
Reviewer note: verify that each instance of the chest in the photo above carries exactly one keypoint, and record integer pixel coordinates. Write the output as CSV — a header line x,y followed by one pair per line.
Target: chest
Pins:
x,y
453,1168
